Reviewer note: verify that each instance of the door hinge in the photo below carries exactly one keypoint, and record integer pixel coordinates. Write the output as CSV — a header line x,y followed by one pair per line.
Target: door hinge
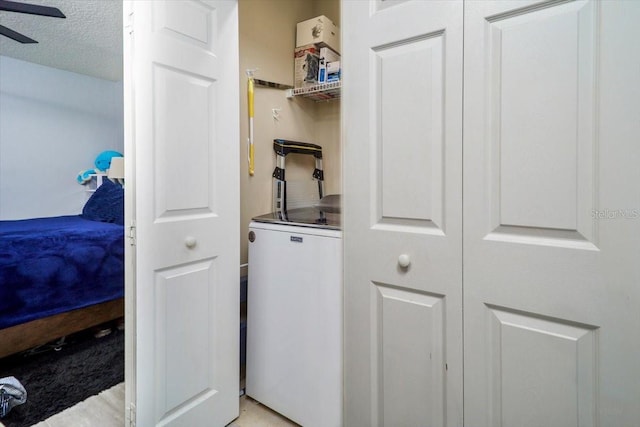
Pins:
x,y
132,415
132,233
129,24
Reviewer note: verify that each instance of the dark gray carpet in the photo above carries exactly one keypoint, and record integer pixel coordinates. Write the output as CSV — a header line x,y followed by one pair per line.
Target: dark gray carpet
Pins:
x,y
56,380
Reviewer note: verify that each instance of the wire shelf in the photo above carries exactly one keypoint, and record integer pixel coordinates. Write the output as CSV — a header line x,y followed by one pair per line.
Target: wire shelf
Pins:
x,y
321,92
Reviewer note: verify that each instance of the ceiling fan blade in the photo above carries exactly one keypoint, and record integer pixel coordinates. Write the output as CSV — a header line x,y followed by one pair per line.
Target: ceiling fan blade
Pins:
x,y
15,35
33,9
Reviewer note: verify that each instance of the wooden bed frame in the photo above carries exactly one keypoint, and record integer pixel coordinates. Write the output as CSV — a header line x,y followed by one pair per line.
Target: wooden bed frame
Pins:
x,y
41,331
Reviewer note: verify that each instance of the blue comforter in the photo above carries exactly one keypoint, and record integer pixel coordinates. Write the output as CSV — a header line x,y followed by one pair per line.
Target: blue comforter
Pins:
x,y
53,265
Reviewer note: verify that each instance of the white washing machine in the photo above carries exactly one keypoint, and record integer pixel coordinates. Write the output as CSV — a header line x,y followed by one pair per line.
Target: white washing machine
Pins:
x,y
294,316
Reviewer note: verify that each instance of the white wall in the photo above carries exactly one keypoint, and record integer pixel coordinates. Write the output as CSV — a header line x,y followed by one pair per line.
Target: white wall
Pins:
x,y
53,124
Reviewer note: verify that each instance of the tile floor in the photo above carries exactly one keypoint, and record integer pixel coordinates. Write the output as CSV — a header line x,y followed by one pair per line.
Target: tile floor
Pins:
x,y
254,414
107,410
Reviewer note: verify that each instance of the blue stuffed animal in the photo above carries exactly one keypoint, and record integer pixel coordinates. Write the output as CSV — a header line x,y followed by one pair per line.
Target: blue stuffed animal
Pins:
x,y
102,163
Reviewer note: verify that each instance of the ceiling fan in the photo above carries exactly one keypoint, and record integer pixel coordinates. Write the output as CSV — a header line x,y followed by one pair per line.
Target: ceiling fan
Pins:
x,y
32,9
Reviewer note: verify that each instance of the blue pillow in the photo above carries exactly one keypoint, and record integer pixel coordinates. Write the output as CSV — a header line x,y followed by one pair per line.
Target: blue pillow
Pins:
x,y
106,204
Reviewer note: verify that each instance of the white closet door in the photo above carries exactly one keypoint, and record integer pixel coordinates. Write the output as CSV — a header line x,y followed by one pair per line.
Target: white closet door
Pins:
x,y
552,213
402,106
182,129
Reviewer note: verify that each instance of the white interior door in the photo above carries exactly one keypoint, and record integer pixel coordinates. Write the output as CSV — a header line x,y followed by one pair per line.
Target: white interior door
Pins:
x,y
552,213
181,80
402,110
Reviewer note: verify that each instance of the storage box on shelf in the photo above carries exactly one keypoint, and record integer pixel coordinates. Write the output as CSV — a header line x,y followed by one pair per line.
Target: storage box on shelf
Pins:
x,y
306,61
315,65
329,66
319,30
317,72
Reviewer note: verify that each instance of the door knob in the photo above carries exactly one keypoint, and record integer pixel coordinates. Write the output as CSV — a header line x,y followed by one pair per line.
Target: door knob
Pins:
x,y
404,260
190,242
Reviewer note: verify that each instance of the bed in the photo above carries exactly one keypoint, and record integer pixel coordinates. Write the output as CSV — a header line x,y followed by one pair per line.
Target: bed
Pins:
x,y
60,275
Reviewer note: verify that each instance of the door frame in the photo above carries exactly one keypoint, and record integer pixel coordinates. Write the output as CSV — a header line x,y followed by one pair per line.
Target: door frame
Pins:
x,y
129,215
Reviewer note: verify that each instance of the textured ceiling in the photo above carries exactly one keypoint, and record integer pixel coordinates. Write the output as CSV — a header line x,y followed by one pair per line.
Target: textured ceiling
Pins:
x,y
88,41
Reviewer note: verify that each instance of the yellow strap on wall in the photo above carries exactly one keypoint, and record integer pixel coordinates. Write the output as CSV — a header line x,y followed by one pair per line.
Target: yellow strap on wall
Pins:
x,y
250,87
250,97
251,160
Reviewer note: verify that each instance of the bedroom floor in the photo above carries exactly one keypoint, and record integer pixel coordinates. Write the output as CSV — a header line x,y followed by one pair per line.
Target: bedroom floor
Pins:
x,y
107,410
